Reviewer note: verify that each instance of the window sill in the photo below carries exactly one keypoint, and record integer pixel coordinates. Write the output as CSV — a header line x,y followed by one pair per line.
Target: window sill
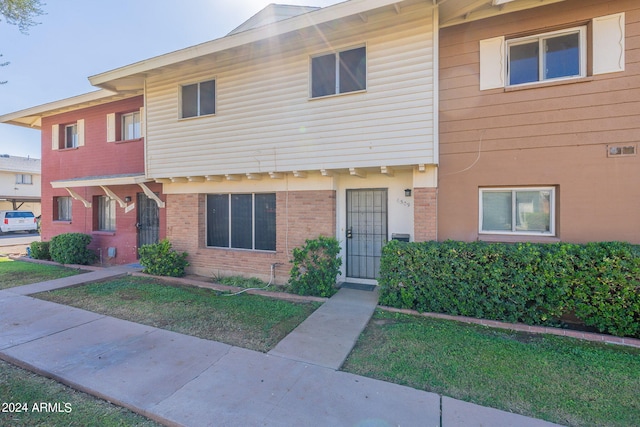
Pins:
x,y
62,221
104,233
537,85
334,95
126,141
67,149
260,251
518,238
180,119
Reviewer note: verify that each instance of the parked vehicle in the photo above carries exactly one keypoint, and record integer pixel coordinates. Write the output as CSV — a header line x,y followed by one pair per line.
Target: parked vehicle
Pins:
x,y
18,221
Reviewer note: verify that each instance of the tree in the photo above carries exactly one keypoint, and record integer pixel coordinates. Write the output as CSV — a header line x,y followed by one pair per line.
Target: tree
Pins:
x,y
20,13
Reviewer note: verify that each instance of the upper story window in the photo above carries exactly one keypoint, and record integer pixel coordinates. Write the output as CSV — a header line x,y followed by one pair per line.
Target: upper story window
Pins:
x,y
71,136
24,179
549,56
130,126
529,211
339,72
554,56
198,99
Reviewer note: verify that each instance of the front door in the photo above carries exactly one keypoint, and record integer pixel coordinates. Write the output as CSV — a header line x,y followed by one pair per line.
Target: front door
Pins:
x,y
366,231
148,221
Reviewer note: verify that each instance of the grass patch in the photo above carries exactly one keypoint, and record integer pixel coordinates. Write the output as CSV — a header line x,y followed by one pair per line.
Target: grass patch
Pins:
x,y
18,273
558,379
23,387
248,321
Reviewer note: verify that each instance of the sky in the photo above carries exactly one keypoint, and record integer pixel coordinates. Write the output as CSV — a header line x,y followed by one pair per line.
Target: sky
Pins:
x,y
76,39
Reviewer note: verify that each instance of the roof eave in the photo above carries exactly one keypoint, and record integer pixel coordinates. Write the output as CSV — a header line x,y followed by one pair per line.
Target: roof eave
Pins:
x,y
313,18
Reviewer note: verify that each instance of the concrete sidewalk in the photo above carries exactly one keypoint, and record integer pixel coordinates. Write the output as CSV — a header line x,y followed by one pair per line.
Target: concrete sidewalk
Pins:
x,y
183,380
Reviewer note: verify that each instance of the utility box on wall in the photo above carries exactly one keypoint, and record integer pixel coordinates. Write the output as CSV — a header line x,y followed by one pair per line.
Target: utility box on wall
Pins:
x,y
402,237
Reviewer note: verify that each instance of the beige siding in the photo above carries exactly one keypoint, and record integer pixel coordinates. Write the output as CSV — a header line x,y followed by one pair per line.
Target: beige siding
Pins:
x,y
266,122
543,135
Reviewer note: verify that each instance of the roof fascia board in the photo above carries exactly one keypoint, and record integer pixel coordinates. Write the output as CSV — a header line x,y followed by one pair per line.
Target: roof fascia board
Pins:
x,y
296,23
52,107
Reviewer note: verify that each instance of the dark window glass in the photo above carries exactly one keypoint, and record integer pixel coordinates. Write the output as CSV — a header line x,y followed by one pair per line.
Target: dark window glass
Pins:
x,y
562,56
241,219
353,69
190,100
218,220
265,221
207,97
323,75
523,63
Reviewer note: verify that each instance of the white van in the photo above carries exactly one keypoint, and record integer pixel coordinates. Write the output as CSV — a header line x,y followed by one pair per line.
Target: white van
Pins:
x,y
18,221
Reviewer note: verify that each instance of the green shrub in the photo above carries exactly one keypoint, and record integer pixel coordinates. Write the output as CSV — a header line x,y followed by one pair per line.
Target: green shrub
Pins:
x,y
71,248
160,259
40,250
315,267
520,282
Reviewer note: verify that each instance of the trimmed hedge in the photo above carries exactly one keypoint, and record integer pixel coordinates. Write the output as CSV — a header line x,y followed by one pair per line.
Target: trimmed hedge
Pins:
x,y
530,283
71,248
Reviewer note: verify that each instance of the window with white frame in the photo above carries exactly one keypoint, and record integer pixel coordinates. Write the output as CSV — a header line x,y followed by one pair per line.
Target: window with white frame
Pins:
x,y
242,221
198,99
71,136
130,125
62,209
549,56
339,72
24,179
554,56
106,214
517,211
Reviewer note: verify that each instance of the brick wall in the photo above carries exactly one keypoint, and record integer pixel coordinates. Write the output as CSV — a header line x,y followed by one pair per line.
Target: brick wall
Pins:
x,y
425,214
300,215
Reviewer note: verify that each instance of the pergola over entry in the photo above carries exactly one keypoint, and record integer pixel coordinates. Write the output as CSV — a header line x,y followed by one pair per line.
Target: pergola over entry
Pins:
x,y
106,182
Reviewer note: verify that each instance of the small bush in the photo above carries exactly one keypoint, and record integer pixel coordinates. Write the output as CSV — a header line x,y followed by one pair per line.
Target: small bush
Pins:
x,y
71,248
40,250
315,267
160,259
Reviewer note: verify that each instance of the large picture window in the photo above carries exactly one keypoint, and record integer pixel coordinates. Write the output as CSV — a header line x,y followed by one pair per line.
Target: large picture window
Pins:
x,y
517,211
549,56
198,99
339,72
242,221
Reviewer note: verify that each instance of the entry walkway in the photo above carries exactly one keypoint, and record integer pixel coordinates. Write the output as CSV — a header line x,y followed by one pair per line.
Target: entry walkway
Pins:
x,y
183,380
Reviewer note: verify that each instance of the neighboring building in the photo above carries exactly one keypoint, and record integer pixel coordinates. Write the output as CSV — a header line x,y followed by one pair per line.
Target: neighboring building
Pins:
x,y
93,169
19,183
322,123
539,125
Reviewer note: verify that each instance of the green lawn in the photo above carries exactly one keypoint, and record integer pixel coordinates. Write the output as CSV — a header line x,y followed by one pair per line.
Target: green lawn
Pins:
x,y
248,321
18,273
558,379
69,407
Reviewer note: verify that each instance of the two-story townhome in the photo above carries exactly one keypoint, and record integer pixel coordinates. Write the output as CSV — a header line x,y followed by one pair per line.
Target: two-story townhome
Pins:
x,y
540,123
20,183
93,173
322,123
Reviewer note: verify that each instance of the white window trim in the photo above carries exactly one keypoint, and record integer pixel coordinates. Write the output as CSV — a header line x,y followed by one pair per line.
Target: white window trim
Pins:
x,y
582,32
215,99
123,130
337,53
552,211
